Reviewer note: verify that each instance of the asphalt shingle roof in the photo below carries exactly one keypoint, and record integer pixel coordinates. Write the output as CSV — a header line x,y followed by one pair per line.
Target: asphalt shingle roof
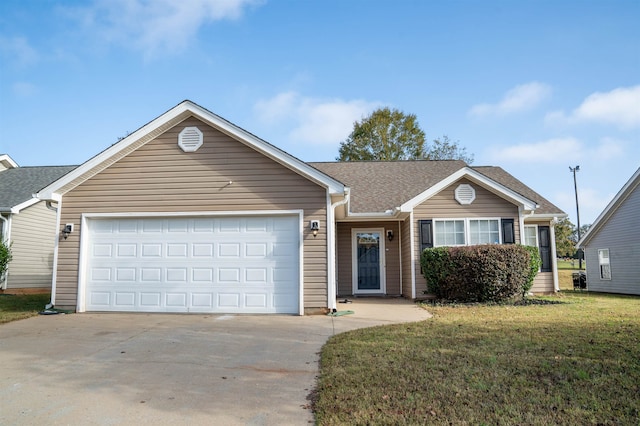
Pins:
x,y
19,184
378,186
499,175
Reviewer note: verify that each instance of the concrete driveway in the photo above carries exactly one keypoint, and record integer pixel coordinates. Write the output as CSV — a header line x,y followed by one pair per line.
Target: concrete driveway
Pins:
x,y
114,369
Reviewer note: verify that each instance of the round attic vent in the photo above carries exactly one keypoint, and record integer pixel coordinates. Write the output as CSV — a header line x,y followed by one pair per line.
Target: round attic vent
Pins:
x,y
465,194
190,139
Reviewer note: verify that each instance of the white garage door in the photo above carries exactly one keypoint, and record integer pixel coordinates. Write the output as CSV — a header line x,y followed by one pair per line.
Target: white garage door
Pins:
x,y
201,264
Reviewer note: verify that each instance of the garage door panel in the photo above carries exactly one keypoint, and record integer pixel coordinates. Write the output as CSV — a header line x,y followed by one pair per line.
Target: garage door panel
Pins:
x,y
193,265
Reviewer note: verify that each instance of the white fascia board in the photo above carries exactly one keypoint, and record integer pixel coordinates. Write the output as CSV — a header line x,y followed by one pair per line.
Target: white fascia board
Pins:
x,y
476,177
545,216
8,161
24,205
183,110
626,190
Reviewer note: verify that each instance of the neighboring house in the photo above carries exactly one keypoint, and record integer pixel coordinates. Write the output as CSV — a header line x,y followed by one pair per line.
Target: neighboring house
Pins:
x,y
191,213
28,225
612,244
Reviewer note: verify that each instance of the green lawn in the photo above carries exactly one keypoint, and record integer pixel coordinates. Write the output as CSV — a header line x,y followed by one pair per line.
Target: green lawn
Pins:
x,y
576,361
570,264
15,307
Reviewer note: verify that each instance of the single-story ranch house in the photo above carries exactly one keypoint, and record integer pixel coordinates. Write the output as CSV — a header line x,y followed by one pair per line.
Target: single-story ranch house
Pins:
x,y
191,213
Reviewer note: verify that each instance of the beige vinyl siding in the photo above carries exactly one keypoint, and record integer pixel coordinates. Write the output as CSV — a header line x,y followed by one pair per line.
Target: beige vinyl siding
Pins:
x,y
443,205
160,177
407,281
345,256
543,283
33,241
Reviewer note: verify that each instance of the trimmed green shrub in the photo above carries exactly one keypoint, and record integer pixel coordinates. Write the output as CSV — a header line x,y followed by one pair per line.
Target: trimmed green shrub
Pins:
x,y
535,262
435,265
483,273
5,258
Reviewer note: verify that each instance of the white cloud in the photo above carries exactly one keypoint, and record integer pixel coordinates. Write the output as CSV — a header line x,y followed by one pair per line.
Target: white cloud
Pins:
x,y
23,89
591,201
154,26
520,98
620,107
315,121
557,150
549,151
18,51
609,148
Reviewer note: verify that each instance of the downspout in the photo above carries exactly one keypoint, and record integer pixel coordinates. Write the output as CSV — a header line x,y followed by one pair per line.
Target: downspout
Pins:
x,y
331,243
400,255
556,282
54,272
5,230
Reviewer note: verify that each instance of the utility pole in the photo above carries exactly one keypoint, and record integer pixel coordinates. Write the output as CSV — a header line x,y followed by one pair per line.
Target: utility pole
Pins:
x,y
575,187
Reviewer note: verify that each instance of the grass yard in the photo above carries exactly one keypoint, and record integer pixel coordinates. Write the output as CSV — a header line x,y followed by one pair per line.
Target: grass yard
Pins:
x,y
15,307
573,362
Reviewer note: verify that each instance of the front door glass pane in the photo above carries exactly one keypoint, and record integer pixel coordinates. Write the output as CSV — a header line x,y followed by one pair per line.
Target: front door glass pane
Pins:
x,y
368,252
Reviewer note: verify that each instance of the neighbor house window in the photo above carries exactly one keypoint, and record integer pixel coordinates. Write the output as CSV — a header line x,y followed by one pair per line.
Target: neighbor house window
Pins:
x,y
531,235
450,233
484,231
605,267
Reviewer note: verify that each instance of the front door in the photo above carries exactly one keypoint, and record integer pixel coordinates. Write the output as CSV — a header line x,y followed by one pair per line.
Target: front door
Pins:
x,y
368,255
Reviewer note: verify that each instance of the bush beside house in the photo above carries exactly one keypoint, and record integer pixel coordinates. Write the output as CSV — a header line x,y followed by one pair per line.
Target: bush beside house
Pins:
x,y
5,258
483,273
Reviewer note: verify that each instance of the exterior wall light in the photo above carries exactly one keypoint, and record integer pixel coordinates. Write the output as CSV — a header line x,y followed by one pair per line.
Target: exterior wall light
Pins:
x,y
390,235
68,228
315,227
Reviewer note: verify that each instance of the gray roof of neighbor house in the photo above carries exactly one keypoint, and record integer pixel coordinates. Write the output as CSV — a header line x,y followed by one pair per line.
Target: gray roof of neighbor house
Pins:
x,y
18,185
379,186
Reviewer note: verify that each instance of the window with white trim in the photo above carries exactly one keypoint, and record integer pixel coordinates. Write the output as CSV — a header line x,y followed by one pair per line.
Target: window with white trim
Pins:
x,y
605,266
449,232
531,235
461,232
484,231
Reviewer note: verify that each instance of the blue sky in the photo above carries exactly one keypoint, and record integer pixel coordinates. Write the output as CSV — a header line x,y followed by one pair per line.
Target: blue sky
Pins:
x,y
531,86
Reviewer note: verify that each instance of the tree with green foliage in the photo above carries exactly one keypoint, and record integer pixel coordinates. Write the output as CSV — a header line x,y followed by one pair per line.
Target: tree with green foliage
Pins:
x,y
389,135
565,244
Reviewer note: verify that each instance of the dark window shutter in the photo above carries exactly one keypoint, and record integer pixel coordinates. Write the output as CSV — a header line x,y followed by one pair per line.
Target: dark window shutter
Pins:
x,y
508,234
544,242
426,236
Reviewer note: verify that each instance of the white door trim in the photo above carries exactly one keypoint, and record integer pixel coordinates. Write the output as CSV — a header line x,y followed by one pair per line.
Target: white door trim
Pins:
x,y
84,240
354,261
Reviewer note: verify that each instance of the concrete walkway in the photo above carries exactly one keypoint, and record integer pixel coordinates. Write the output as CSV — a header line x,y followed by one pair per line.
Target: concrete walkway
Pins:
x,y
120,369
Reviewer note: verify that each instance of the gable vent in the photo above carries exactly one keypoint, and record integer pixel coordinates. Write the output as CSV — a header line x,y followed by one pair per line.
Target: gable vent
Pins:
x,y
465,194
190,139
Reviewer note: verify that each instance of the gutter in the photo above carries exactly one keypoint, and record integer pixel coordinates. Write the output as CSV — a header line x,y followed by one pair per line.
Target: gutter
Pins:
x,y
331,243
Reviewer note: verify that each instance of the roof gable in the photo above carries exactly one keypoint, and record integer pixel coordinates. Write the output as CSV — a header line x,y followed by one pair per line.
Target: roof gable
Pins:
x,y
165,122
474,176
632,185
382,187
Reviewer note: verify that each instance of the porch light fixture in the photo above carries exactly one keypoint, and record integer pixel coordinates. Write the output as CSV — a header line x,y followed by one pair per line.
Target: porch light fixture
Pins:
x,y
315,227
390,235
68,228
